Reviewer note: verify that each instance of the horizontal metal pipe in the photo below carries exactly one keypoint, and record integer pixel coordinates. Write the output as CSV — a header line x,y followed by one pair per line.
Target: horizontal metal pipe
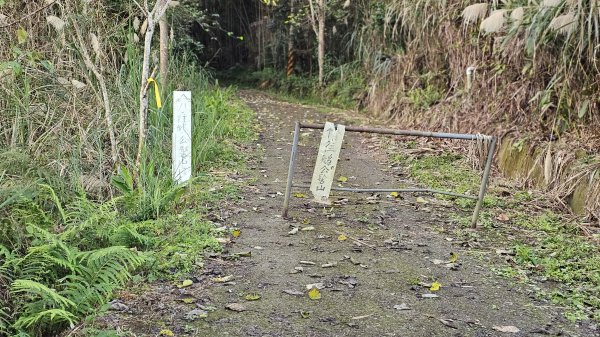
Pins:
x,y
403,132
399,190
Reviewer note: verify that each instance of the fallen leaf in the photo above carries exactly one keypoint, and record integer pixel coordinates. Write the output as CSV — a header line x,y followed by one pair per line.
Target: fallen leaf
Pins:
x,y
305,221
208,308
314,294
402,307
305,314
453,257
223,240
448,322
435,286
293,292
422,200
342,237
429,296
293,231
308,263
319,285
342,179
252,297
195,314
21,35
350,282
505,252
118,306
354,262
166,332
188,300
502,217
506,328
452,266
394,194
299,195
185,283
244,254
237,307
223,279
236,233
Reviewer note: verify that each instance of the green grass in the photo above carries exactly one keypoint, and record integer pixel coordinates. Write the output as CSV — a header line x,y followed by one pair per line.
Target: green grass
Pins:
x,y
149,225
546,245
343,83
445,172
556,250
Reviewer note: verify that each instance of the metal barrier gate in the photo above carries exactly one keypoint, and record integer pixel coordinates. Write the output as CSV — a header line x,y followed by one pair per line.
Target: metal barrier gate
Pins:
x,y
482,188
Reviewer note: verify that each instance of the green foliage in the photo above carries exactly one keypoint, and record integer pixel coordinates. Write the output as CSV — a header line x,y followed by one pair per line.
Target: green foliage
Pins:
x,y
152,196
448,171
343,84
55,283
557,252
65,247
55,279
423,98
220,121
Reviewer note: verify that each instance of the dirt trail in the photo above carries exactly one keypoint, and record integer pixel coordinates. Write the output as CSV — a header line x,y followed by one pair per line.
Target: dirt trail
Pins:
x,y
365,284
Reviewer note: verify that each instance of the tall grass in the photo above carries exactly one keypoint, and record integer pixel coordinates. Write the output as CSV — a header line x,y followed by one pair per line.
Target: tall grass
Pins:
x,y
74,225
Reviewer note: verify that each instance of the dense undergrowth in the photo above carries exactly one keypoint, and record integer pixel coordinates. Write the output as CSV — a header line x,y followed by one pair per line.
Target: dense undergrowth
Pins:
x,y
75,224
345,85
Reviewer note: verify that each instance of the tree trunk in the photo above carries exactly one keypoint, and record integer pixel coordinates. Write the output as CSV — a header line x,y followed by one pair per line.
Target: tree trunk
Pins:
x,y
164,51
290,65
153,17
321,41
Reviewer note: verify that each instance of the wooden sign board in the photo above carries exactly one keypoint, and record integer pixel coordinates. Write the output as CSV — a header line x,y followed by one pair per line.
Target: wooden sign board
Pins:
x,y
329,153
182,136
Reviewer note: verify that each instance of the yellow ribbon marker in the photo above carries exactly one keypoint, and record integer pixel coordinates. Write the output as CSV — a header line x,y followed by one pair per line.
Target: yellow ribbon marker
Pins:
x,y
156,92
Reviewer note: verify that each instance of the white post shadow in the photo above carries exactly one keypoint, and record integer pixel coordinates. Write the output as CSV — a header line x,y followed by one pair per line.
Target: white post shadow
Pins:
x,y
329,153
182,136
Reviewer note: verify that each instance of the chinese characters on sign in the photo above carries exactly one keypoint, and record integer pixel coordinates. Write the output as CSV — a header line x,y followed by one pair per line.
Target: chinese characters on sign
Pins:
x,y
329,152
182,136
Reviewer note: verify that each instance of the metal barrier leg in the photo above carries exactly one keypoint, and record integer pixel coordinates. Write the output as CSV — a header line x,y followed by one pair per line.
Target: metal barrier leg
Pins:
x,y
288,189
484,182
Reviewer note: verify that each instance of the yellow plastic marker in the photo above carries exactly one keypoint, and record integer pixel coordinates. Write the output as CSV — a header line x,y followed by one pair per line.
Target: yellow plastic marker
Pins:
x,y
156,92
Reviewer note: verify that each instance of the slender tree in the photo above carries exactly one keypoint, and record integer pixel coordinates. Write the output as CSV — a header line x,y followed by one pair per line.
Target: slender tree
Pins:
x,y
153,17
318,13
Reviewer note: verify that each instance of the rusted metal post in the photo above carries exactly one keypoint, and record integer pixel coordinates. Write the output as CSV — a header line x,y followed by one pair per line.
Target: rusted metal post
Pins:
x,y
399,190
383,131
484,182
288,189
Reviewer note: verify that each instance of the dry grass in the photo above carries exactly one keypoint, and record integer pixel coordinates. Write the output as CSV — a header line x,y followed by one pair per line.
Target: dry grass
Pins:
x,y
536,75
53,103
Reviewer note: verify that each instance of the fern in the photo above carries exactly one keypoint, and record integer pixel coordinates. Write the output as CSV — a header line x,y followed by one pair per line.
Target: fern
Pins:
x,y
58,284
56,201
50,316
5,279
45,296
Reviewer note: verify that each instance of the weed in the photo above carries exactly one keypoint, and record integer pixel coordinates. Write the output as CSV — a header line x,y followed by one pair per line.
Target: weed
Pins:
x,y
423,98
551,247
447,171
